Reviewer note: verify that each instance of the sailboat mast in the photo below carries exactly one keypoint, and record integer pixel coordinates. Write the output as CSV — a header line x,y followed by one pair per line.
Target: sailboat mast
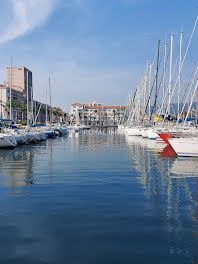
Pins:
x,y
46,109
164,78
170,74
50,102
179,81
11,90
157,71
150,69
146,83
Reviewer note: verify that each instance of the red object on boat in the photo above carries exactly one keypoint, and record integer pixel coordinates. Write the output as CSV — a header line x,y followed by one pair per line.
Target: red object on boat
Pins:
x,y
165,136
168,151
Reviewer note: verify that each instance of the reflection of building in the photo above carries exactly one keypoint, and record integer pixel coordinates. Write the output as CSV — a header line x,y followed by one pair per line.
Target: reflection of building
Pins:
x,y
95,140
17,165
97,114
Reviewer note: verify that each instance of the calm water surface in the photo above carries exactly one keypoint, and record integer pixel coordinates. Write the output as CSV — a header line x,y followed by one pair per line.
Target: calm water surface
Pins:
x,y
97,199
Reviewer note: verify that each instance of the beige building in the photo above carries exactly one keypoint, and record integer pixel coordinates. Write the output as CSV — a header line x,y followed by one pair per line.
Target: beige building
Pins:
x,y
97,114
5,103
19,78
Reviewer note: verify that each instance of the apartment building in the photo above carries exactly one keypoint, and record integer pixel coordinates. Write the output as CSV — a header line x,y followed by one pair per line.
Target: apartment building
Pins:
x,y
97,114
20,79
18,99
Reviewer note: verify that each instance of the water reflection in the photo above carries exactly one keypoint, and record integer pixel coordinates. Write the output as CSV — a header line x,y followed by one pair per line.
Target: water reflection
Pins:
x,y
17,165
127,193
96,140
184,167
165,179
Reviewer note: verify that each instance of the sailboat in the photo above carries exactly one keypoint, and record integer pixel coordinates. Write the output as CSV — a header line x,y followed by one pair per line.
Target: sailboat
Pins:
x,y
7,141
185,146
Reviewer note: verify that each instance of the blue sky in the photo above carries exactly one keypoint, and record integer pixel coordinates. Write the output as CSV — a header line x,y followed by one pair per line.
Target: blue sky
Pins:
x,y
90,48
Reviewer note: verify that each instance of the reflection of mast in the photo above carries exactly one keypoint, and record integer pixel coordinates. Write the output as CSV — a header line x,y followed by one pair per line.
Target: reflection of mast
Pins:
x,y
50,151
163,185
196,193
155,187
29,179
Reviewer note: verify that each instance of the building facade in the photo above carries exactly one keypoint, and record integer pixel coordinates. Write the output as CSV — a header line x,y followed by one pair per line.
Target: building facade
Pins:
x,y
97,114
17,100
20,79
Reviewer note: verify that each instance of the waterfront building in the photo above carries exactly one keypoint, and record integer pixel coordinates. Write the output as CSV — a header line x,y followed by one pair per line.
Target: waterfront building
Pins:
x,y
18,101
20,79
18,84
19,107
97,114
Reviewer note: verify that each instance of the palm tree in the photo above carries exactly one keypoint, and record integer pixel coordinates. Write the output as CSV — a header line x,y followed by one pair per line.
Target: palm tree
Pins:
x,y
55,112
15,106
23,109
43,109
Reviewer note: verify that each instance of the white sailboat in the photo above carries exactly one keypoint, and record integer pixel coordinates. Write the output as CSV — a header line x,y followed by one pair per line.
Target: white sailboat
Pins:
x,y
185,146
7,141
133,131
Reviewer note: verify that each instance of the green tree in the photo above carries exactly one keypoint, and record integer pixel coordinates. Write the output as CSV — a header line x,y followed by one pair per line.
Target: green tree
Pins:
x,y
15,104
23,109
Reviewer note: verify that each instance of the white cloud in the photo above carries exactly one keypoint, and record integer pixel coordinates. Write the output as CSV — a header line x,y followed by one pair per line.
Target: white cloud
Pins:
x,y
27,15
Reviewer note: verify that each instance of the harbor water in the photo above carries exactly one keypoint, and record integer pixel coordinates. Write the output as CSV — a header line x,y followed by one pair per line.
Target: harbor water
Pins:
x,y
100,198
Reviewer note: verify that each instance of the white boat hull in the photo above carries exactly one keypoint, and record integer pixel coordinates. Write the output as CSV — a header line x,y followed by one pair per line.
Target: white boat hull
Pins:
x,y
133,131
185,147
7,141
152,134
144,133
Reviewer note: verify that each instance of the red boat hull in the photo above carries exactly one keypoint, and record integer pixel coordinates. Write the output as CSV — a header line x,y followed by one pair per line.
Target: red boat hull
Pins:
x,y
165,136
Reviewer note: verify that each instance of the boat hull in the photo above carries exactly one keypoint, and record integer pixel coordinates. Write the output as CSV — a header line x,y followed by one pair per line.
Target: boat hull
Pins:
x,y
152,135
185,147
166,136
134,131
19,140
7,141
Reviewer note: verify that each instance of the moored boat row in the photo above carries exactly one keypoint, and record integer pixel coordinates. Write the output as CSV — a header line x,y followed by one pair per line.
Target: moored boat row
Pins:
x,y
11,137
184,141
